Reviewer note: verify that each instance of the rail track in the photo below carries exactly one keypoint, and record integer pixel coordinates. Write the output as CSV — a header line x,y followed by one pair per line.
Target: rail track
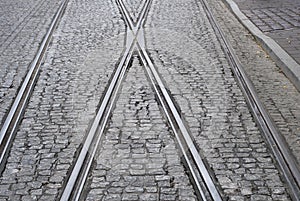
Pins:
x,y
200,175
16,111
203,182
272,135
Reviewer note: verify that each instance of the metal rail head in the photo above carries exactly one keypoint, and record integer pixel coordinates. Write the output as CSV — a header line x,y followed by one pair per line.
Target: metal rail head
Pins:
x,y
73,188
77,177
187,145
75,183
15,113
274,138
182,135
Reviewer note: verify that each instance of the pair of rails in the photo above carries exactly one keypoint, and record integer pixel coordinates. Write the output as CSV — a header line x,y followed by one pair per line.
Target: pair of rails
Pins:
x,y
204,184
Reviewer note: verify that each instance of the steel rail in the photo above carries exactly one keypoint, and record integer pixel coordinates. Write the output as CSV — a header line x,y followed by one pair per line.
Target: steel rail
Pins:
x,y
183,137
186,144
274,138
76,181
13,118
73,188
134,26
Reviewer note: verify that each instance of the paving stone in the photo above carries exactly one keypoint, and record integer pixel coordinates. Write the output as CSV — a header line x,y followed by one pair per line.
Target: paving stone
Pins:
x,y
139,160
67,92
147,174
272,86
19,43
194,68
279,20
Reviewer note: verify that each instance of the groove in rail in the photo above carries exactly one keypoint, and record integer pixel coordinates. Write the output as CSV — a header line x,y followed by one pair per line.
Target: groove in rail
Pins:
x,y
15,113
188,148
274,138
78,175
205,187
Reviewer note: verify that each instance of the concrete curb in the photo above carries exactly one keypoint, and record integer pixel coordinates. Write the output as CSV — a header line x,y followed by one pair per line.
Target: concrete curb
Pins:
x,y
286,63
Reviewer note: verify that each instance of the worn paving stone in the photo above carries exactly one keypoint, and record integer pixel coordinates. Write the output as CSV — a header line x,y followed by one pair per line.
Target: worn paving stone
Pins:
x,y
149,174
77,67
278,19
23,26
193,66
136,160
271,85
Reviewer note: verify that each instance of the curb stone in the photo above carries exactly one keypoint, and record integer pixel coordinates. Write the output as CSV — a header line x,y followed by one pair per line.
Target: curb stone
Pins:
x,y
285,62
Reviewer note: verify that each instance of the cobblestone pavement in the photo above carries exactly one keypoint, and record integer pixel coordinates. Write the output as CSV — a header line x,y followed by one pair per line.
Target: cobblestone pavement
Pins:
x,y
139,159
278,19
23,26
189,59
279,96
77,67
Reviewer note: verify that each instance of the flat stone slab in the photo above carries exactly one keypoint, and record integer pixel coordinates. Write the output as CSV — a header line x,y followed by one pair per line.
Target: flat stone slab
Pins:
x,y
276,25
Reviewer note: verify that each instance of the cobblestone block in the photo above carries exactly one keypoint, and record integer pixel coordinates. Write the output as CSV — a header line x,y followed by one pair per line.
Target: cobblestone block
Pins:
x,y
272,86
143,175
19,41
195,70
66,96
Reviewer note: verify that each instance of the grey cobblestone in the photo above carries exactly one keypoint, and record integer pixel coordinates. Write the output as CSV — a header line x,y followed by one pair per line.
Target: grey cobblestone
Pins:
x,y
272,86
151,174
189,59
271,19
278,19
76,69
23,26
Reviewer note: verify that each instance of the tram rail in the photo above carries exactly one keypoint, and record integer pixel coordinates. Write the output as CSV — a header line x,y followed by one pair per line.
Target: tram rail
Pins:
x,y
203,183
74,186
202,180
272,135
18,107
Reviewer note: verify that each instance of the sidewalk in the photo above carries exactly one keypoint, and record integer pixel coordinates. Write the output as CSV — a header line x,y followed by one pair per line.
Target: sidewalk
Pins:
x,y
277,22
